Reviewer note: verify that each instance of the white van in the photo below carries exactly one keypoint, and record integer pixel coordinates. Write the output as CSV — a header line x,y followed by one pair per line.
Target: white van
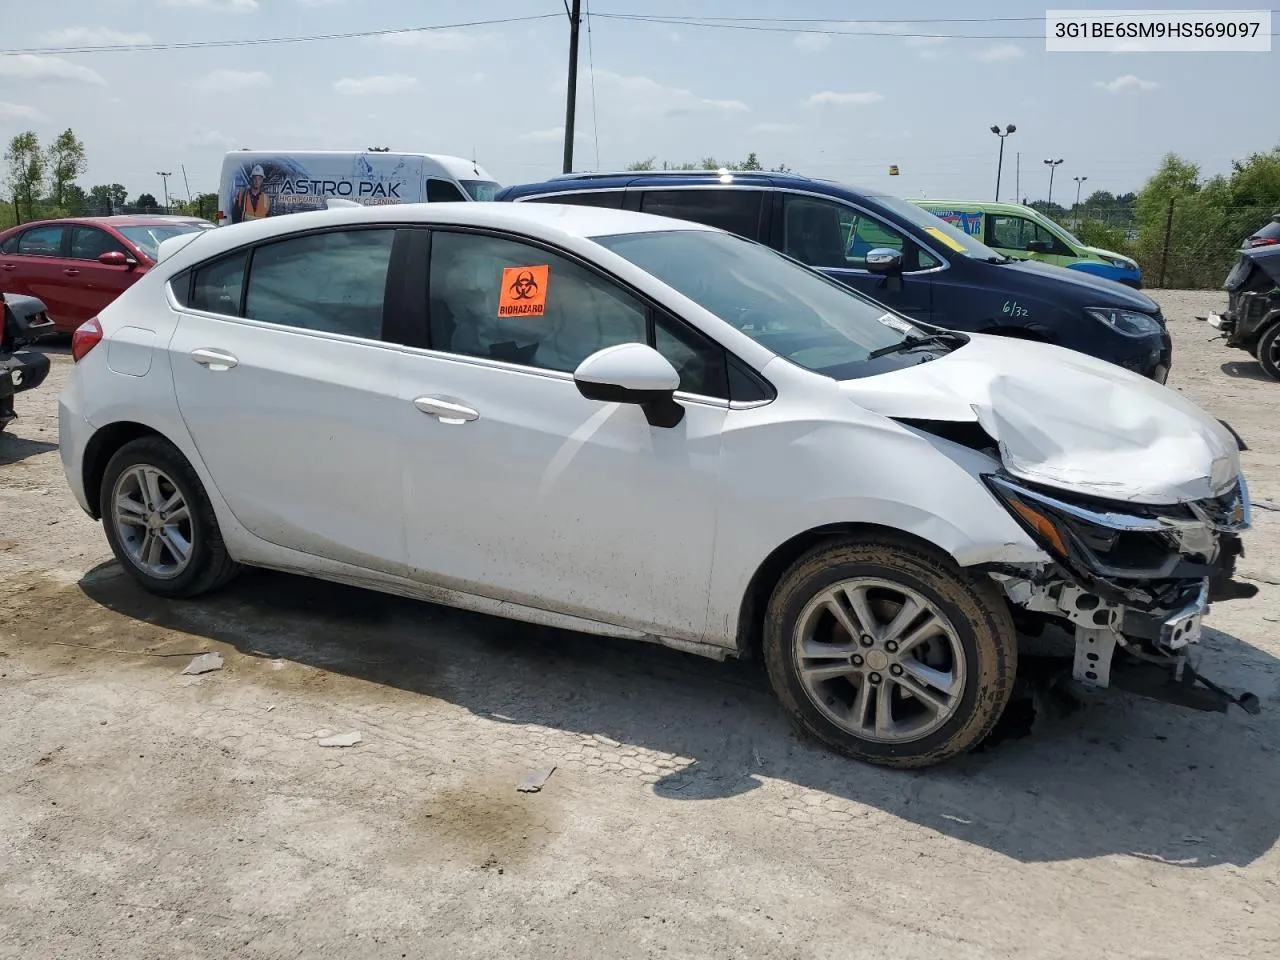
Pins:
x,y
257,184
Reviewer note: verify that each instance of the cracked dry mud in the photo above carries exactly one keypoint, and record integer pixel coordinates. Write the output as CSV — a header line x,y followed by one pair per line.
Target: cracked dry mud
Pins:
x,y
150,814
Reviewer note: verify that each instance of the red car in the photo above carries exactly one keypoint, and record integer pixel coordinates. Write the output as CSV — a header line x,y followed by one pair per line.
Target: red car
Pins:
x,y
79,265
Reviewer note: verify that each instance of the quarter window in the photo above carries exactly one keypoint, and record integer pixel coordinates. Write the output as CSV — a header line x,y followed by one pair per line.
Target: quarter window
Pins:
x,y
41,242
330,282
217,287
735,210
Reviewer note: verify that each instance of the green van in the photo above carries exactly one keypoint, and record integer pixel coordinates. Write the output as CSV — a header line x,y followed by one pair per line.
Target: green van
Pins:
x,y
1026,234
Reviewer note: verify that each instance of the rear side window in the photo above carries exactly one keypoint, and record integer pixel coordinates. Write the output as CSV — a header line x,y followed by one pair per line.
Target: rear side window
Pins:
x,y
331,282
218,287
442,191
737,211
611,199
41,242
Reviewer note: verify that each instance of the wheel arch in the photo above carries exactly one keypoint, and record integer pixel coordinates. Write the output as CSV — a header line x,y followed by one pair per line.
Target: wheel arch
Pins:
x,y
767,575
102,446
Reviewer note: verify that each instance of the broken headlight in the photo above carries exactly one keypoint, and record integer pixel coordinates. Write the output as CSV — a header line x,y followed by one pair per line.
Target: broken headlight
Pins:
x,y
1127,322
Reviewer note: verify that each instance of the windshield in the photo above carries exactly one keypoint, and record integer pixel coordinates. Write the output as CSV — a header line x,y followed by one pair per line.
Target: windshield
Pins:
x,y
796,312
481,189
148,239
953,239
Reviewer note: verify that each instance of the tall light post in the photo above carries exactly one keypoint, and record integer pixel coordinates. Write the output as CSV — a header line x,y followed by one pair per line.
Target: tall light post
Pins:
x,y
1052,166
1075,211
995,128
164,176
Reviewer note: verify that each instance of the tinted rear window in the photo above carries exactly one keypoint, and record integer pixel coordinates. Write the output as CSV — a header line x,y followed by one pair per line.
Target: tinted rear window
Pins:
x,y
737,211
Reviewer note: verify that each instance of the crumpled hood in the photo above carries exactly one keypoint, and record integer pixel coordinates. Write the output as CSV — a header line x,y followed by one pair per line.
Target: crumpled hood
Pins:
x,y
1065,419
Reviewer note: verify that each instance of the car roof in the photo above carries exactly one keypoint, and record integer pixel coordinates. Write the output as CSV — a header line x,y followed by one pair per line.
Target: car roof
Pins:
x,y
117,220
567,182
986,206
548,221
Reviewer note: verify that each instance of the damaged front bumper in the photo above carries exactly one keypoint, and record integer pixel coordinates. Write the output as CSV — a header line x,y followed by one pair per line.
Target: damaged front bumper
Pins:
x,y
1133,580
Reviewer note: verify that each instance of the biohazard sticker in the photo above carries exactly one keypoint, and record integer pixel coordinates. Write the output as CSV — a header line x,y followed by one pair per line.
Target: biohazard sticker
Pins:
x,y
524,291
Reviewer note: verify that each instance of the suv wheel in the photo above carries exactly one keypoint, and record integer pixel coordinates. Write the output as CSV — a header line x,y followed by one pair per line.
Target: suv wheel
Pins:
x,y
1268,350
889,653
160,523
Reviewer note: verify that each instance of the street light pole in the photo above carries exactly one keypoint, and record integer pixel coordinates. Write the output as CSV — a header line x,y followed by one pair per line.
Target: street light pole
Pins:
x,y
575,20
164,176
995,128
1052,166
1076,210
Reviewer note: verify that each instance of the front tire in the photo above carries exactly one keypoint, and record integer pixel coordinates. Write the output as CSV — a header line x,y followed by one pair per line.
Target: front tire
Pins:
x,y
1268,351
160,523
887,652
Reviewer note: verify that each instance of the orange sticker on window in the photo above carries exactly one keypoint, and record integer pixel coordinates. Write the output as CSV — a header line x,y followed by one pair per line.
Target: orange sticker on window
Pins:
x,y
524,291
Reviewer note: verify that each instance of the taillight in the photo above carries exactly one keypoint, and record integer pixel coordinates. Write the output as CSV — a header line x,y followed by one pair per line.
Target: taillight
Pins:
x,y
1262,241
87,336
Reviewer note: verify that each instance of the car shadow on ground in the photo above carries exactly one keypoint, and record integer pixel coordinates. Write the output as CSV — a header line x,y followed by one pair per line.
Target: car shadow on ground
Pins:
x,y
1246,370
1122,776
14,448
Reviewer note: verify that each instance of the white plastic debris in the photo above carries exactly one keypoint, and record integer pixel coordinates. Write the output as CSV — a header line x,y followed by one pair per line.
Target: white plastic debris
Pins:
x,y
534,782
205,663
341,740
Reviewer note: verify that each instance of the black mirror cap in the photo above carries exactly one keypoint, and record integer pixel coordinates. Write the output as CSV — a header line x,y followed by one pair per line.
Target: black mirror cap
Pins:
x,y
659,406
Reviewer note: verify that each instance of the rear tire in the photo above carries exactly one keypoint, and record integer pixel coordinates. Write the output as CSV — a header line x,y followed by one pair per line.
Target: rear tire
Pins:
x,y
1268,350
908,691
160,523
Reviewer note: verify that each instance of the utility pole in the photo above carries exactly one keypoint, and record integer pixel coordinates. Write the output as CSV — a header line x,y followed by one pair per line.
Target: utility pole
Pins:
x,y
164,176
575,20
1053,165
995,128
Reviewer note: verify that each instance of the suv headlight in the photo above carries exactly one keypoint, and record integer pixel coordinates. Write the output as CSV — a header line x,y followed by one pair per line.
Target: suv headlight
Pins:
x,y
1127,322
1121,262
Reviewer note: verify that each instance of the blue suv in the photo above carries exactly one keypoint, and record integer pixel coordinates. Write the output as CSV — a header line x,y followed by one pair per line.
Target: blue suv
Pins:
x,y
896,253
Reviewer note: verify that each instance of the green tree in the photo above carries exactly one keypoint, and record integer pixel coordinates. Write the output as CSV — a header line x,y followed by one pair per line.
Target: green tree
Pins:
x,y
65,160
146,202
24,172
107,198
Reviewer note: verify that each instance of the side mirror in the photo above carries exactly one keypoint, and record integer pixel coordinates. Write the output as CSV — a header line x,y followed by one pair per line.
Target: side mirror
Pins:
x,y
632,373
1039,246
114,258
884,260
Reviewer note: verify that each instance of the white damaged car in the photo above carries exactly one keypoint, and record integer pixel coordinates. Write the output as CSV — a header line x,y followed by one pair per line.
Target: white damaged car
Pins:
x,y
647,428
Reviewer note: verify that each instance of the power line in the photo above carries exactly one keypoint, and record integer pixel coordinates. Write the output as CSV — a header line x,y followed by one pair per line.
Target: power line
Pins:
x,y
591,72
255,41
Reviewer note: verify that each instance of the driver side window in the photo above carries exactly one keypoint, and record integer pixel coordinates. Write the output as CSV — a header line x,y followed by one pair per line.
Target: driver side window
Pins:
x,y
822,233
1016,233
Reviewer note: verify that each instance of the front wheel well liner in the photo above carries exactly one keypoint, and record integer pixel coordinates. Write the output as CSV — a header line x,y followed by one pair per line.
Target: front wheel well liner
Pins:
x,y
101,448
765,579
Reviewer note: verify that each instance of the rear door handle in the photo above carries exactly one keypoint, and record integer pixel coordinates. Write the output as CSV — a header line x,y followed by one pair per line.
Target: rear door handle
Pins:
x,y
71,272
9,266
446,411
214,359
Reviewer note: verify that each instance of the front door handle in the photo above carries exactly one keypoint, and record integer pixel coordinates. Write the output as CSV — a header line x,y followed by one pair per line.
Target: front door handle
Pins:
x,y
8,266
71,272
214,359
446,411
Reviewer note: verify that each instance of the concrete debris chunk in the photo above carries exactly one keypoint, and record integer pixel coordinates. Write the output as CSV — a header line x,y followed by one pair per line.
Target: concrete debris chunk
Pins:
x,y
341,740
205,663
534,782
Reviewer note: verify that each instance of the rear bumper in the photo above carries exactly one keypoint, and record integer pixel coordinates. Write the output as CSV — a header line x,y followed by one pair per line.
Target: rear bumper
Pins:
x,y
27,368
74,432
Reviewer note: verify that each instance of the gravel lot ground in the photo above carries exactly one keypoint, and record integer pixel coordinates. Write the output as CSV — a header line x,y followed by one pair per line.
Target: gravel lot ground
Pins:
x,y
150,814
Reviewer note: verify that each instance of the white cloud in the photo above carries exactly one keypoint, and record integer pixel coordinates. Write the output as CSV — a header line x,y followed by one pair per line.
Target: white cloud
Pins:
x,y
831,98
439,40
199,136
94,37
772,128
28,66
1126,84
376,86
643,96
17,111
222,80
1003,51
812,41
550,135
237,6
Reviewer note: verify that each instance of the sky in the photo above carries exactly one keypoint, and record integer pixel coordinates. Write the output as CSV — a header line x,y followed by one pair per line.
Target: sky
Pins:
x,y
827,105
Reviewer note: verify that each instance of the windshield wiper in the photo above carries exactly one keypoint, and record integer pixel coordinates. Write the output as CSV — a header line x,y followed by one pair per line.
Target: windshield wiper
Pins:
x,y
910,343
